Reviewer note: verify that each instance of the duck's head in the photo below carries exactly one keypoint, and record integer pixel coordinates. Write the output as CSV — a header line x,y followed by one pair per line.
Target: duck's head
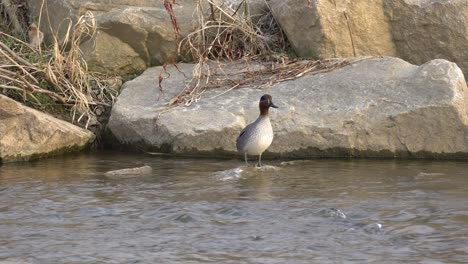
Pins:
x,y
265,103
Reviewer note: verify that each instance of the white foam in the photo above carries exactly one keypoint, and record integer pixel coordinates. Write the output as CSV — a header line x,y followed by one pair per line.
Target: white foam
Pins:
x,y
266,168
227,175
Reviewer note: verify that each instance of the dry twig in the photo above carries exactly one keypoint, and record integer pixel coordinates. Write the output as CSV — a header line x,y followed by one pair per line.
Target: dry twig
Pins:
x,y
226,37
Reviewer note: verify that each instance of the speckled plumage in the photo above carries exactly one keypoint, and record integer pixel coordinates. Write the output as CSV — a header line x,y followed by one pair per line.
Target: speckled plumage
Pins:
x,y
256,137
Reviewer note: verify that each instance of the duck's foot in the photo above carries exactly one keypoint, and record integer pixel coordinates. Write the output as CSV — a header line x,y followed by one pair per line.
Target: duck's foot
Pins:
x,y
245,159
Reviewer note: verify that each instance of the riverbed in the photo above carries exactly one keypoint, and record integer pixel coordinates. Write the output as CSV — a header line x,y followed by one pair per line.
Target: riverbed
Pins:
x,y
68,210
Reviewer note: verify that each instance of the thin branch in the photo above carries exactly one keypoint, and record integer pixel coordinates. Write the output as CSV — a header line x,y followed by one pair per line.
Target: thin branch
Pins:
x,y
14,55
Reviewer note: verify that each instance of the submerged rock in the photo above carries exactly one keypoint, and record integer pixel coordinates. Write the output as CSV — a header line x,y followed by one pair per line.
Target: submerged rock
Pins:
x,y
333,213
27,134
130,172
375,107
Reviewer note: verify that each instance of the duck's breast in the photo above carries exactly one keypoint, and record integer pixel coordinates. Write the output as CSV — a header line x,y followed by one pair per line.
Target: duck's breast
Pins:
x,y
257,137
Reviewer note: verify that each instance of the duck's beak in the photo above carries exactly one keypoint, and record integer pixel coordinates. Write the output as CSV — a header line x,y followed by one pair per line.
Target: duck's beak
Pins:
x,y
273,105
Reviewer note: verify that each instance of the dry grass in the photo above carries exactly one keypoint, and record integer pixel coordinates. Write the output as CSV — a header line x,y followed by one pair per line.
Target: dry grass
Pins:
x,y
269,73
226,36
55,80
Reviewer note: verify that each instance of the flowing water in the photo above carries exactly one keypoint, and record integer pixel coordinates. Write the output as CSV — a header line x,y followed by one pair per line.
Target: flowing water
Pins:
x,y
67,210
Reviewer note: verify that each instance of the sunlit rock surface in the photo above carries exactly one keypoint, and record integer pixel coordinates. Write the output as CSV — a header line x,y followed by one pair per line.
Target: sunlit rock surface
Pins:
x,y
335,28
415,30
375,107
27,134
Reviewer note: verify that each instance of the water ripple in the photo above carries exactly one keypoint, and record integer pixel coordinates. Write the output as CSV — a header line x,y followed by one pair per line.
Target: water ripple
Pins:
x,y
198,211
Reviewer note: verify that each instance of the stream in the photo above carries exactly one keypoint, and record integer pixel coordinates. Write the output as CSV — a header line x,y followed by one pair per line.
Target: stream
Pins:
x,y
68,210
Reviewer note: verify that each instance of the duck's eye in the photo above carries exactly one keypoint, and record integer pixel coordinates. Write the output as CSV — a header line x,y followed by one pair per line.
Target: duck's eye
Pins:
x,y
263,98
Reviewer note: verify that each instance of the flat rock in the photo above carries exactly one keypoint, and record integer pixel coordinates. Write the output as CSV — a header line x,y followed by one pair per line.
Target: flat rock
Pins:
x,y
27,134
144,170
375,107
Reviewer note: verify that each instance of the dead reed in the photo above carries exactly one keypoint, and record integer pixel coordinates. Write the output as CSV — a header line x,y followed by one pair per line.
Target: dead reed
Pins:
x,y
227,35
56,79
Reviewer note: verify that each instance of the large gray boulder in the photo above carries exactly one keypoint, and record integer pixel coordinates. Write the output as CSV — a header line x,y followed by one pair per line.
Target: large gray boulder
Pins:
x,y
27,134
376,107
414,30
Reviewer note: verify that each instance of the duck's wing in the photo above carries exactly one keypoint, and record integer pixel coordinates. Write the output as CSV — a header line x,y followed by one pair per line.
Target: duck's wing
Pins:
x,y
242,138
241,134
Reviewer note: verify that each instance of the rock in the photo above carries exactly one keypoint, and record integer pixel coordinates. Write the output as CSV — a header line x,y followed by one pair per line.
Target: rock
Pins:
x,y
332,213
376,107
430,29
255,8
132,34
27,134
108,53
129,172
58,12
335,28
15,261
415,30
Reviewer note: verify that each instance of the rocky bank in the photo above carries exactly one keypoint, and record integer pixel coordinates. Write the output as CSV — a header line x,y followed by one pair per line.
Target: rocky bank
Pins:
x,y
135,34
375,107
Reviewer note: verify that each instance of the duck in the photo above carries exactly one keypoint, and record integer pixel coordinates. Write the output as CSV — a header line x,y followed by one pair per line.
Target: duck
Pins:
x,y
256,137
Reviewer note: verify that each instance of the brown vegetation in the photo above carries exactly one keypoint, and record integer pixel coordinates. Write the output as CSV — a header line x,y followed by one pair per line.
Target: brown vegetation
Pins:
x,y
227,35
56,79
57,76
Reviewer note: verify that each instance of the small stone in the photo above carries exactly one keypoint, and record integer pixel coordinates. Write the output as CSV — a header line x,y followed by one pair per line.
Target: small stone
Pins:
x,y
138,171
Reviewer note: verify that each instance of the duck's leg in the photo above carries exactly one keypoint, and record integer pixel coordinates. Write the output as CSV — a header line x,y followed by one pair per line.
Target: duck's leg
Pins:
x,y
259,160
245,158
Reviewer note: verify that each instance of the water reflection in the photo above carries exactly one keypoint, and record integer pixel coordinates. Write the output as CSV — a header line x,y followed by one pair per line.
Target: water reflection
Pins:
x,y
66,210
